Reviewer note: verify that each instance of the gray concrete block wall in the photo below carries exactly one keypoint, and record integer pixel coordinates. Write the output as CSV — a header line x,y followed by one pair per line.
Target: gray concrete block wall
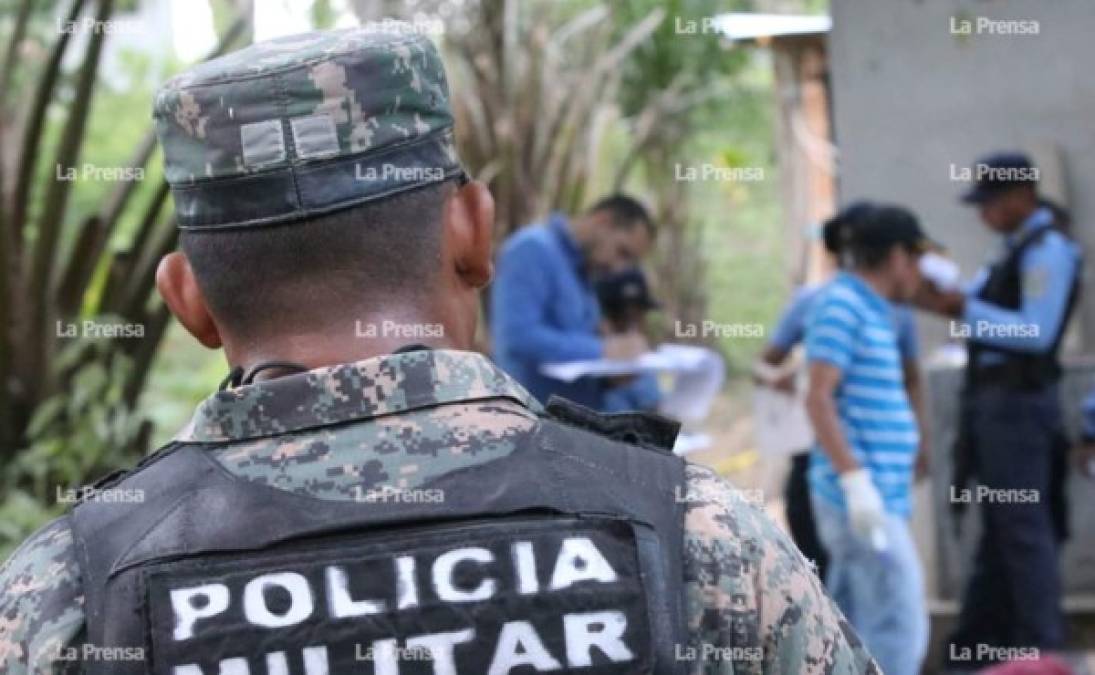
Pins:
x,y
910,99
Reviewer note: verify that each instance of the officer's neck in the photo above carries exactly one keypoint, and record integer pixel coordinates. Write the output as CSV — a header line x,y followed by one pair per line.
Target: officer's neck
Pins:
x,y
1021,219
356,339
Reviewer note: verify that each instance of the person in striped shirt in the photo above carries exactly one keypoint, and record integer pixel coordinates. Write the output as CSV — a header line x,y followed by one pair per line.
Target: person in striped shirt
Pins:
x,y
862,470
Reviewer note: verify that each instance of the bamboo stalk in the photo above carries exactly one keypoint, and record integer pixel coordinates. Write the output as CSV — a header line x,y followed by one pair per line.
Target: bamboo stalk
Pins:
x,y
32,135
17,34
49,225
7,426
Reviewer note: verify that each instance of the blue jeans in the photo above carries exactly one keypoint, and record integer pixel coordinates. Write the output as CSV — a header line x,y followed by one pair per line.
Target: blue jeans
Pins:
x,y
881,594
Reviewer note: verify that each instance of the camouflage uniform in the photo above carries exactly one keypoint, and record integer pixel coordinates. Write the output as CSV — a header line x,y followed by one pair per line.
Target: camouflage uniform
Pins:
x,y
406,418
325,105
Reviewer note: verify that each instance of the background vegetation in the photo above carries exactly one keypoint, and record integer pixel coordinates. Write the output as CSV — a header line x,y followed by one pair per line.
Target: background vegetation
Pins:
x,y
557,103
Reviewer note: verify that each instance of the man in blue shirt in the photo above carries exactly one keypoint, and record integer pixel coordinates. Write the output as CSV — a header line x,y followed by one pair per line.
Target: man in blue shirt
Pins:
x,y
1012,435
862,471
543,303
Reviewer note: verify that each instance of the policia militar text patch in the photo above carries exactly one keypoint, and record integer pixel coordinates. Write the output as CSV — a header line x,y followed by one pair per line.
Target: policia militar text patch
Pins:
x,y
487,597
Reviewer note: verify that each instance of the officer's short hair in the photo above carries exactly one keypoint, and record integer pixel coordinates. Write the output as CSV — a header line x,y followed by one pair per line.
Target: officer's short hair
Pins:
x,y
256,277
625,212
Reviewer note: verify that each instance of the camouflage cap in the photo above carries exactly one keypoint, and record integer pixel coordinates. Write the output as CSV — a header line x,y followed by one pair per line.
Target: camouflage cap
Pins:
x,y
305,124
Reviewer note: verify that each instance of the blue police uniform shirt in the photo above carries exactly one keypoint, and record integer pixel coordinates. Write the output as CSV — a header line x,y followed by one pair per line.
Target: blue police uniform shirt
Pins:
x,y
1047,268
544,310
852,328
791,327
1087,421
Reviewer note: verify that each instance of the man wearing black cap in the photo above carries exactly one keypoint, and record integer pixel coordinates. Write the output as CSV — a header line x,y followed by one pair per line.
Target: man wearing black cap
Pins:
x,y
863,465
836,236
625,299
1011,431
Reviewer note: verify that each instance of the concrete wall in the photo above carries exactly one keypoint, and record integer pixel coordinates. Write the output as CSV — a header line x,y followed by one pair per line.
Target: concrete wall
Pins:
x,y
910,99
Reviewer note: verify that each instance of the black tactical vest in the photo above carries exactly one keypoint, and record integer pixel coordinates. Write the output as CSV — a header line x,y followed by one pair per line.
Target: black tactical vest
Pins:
x,y
1004,288
565,556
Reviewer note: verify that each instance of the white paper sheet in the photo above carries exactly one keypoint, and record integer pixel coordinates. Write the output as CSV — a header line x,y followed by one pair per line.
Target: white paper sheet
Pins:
x,y
780,422
698,374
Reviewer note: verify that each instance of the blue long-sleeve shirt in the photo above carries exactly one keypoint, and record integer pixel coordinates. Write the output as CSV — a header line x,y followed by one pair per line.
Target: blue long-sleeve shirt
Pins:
x,y
1087,420
1047,268
544,310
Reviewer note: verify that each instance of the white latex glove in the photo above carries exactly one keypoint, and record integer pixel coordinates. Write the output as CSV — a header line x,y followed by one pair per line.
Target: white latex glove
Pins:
x,y
865,508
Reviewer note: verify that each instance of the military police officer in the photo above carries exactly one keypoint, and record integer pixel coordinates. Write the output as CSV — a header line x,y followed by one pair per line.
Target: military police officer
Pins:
x,y
1011,438
364,495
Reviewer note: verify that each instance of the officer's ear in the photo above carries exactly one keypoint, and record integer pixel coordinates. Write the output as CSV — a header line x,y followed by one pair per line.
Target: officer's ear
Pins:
x,y
179,289
469,226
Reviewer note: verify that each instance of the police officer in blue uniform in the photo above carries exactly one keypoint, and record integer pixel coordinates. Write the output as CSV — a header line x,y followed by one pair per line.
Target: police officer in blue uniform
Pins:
x,y
1011,436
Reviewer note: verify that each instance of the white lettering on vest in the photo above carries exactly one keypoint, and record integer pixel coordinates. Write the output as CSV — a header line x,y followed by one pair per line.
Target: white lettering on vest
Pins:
x,y
315,663
441,646
315,660
186,614
339,602
603,630
579,560
524,560
406,588
442,575
276,664
520,645
300,600
385,657
236,666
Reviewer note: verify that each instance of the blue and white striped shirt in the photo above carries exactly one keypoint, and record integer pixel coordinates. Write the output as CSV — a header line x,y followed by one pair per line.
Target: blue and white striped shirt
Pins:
x,y
851,327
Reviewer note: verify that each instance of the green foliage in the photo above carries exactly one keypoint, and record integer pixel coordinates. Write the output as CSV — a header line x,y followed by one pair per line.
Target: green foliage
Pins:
x,y
670,58
20,515
84,431
323,14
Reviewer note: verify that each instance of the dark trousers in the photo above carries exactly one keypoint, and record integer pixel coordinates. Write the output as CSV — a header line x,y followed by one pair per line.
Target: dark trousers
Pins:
x,y
1013,599
800,514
